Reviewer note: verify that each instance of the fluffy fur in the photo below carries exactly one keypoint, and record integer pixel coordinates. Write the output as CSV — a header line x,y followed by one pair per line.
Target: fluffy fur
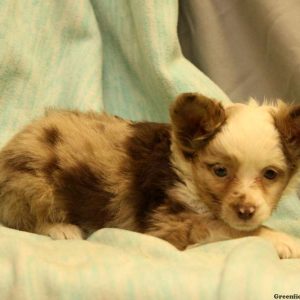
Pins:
x,y
214,173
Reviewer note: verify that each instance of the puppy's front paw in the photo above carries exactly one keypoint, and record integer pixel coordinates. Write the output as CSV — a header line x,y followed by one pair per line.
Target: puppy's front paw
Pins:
x,y
286,246
61,231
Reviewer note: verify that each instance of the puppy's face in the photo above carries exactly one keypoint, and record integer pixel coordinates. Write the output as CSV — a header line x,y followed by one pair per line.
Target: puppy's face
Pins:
x,y
242,157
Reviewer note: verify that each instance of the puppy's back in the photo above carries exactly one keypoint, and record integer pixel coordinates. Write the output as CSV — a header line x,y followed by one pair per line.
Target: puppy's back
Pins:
x,y
64,157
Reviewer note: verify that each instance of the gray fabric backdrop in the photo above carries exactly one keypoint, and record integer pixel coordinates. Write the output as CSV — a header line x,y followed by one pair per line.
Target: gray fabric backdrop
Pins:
x,y
248,47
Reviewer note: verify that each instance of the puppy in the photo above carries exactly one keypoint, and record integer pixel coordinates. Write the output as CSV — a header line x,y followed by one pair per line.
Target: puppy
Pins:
x,y
213,174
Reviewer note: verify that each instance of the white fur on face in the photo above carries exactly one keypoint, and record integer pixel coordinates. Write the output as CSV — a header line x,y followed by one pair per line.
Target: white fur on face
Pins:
x,y
250,144
251,137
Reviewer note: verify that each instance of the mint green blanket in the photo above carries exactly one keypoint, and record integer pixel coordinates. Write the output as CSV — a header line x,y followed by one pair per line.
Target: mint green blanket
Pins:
x,y
123,56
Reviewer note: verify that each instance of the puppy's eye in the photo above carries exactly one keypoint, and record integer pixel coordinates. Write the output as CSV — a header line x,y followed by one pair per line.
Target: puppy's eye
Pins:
x,y
220,171
270,174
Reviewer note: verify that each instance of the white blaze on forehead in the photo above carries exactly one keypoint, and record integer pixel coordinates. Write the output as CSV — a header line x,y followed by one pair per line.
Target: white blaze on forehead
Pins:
x,y
251,137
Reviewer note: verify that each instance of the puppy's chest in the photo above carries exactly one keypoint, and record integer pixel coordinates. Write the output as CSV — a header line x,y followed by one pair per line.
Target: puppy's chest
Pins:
x,y
186,193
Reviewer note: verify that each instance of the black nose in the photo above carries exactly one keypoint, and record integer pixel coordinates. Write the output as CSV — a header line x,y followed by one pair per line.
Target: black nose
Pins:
x,y
245,212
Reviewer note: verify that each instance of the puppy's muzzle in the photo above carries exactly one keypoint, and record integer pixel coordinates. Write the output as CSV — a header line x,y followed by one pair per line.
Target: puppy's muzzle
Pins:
x,y
245,212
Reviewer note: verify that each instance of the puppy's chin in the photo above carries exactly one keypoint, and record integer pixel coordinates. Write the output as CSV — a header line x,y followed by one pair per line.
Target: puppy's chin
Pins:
x,y
244,227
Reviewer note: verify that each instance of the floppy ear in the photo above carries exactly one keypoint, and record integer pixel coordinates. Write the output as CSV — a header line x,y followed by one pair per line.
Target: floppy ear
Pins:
x,y
287,121
195,120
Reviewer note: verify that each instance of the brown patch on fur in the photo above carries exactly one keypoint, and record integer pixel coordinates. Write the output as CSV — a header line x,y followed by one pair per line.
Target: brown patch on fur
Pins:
x,y
149,163
51,166
85,196
118,118
52,136
287,121
196,119
19,162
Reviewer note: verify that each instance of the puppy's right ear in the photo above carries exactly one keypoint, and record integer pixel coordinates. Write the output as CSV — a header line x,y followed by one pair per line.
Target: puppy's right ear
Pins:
x,y
195,120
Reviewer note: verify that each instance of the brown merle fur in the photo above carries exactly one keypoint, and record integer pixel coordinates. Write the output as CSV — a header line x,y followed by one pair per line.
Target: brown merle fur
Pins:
x,y
52,136
149,167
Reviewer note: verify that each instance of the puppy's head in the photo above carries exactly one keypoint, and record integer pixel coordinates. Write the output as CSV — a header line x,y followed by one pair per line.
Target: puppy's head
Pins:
x,y
241,158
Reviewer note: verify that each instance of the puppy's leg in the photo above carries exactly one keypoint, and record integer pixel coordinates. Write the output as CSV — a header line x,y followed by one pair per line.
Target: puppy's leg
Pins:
x,y
28,203
52,219
286,245
180,229
178,232
187,228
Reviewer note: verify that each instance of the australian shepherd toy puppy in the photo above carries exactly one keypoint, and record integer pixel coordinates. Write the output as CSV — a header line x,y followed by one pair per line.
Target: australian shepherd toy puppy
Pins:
x,y
213,174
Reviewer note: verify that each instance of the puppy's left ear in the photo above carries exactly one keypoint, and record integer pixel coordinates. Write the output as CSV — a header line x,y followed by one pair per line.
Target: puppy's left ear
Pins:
x,y
287,121
195,120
